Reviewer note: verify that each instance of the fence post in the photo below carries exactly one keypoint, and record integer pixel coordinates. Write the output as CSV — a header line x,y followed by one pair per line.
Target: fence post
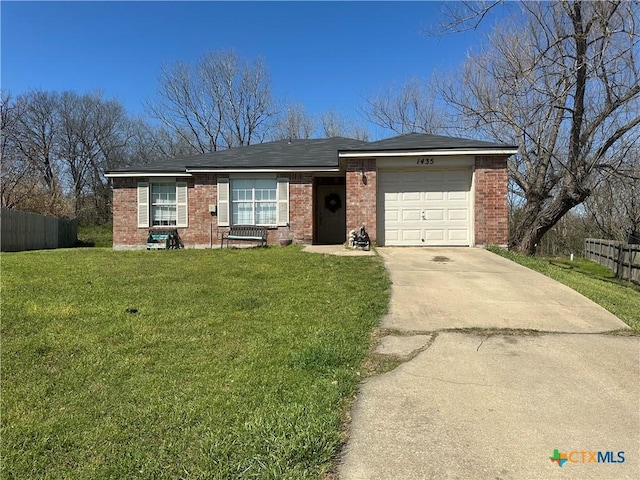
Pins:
x,y
600,254
613,256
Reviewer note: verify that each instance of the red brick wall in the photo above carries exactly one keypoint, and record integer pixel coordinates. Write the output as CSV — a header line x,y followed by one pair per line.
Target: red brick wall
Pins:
x,y
491,215
491,209
361,196
300,207
202,191
203,227
125,214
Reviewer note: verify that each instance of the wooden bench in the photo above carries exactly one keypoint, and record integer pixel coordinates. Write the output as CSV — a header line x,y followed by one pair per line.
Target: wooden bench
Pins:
x,y
245,233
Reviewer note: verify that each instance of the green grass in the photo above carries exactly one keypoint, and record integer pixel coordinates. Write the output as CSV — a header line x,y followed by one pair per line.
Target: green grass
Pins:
x,y
95,235
239,363
590,279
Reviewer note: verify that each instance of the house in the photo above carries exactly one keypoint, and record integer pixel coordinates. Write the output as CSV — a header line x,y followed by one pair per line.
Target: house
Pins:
x,y
410,190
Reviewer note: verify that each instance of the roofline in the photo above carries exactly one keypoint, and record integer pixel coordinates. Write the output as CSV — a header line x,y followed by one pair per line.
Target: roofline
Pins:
x,y
140,173
191,170
419,153
258,170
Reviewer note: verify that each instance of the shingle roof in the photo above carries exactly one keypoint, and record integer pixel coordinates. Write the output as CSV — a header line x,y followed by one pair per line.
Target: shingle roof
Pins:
x,y
311,153
305,154
423,141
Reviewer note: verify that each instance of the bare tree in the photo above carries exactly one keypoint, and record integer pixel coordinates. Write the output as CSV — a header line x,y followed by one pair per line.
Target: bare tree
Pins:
x,y
564,84
18,177
188,108
614,205
106,146
250,107
55,148
74,143
92,138
464,15
294,123
334,124
36,141
220,102
147,143
412,107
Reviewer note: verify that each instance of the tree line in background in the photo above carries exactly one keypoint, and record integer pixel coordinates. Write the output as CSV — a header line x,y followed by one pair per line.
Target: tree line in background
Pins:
x,y
560,80
56,146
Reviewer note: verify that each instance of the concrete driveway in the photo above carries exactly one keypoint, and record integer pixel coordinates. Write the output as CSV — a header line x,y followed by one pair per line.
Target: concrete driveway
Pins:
x,y
503,367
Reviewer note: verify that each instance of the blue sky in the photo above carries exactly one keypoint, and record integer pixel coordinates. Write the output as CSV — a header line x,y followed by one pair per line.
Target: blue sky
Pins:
x,y
321,54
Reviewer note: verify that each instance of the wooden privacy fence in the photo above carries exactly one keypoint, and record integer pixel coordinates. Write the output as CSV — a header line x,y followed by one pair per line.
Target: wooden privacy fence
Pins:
x,y
621,258
30,231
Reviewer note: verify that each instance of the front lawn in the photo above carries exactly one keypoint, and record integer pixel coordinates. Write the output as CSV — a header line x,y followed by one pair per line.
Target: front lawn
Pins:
x,y
590,279
235,364
95,235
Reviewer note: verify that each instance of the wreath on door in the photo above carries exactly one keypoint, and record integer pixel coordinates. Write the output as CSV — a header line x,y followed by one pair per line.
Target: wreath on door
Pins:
x,y
333,202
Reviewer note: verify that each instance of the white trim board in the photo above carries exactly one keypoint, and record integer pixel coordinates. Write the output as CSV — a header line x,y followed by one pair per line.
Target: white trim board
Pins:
x,y
420,153
146,174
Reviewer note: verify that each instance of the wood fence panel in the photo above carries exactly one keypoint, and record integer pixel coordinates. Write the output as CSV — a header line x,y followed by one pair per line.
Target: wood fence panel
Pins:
x,y
29,231
621,258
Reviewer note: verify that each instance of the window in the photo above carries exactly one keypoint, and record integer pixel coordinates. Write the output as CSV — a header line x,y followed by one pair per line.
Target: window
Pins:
x,y
246,200
254,201
161,203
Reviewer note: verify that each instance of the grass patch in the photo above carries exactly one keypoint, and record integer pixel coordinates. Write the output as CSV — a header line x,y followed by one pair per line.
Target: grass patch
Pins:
x,y
239,363
95,235
588,278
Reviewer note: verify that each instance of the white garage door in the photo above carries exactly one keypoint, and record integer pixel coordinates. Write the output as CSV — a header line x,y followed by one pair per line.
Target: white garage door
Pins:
x,y
425,207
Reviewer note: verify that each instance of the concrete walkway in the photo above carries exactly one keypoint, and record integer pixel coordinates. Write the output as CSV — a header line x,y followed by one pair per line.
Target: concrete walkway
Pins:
x,y
493,403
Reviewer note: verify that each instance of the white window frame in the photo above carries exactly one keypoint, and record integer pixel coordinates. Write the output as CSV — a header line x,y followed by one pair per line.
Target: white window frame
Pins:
x,y
156,206
146,205
253,201
225,195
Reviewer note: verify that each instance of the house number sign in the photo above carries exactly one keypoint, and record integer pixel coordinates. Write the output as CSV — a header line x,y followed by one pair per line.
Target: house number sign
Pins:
x,y
425,161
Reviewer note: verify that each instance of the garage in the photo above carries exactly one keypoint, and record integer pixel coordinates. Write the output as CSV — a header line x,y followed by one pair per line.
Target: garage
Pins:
x,y
425,207
424,190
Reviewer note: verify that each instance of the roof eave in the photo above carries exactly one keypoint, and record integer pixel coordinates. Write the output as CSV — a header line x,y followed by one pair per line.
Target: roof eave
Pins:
x,y
432,152
146,173
190,171
261,169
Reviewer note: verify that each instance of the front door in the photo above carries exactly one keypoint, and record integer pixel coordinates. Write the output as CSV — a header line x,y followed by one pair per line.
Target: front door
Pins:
x,y
331,216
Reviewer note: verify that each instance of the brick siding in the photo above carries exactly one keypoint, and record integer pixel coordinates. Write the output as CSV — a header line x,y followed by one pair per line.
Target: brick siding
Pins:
x,y
361,195
491,209
300,208
203,230
125,214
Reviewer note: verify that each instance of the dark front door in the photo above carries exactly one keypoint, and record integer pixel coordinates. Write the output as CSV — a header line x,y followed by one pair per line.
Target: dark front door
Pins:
x,y
331,217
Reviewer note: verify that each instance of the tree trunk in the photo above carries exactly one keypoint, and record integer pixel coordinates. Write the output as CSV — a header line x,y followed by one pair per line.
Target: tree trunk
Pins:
x,y
536,222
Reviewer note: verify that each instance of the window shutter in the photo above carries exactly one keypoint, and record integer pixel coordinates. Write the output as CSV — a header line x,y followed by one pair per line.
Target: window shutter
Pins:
x,y
223,202
283,202
182,210
143,204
